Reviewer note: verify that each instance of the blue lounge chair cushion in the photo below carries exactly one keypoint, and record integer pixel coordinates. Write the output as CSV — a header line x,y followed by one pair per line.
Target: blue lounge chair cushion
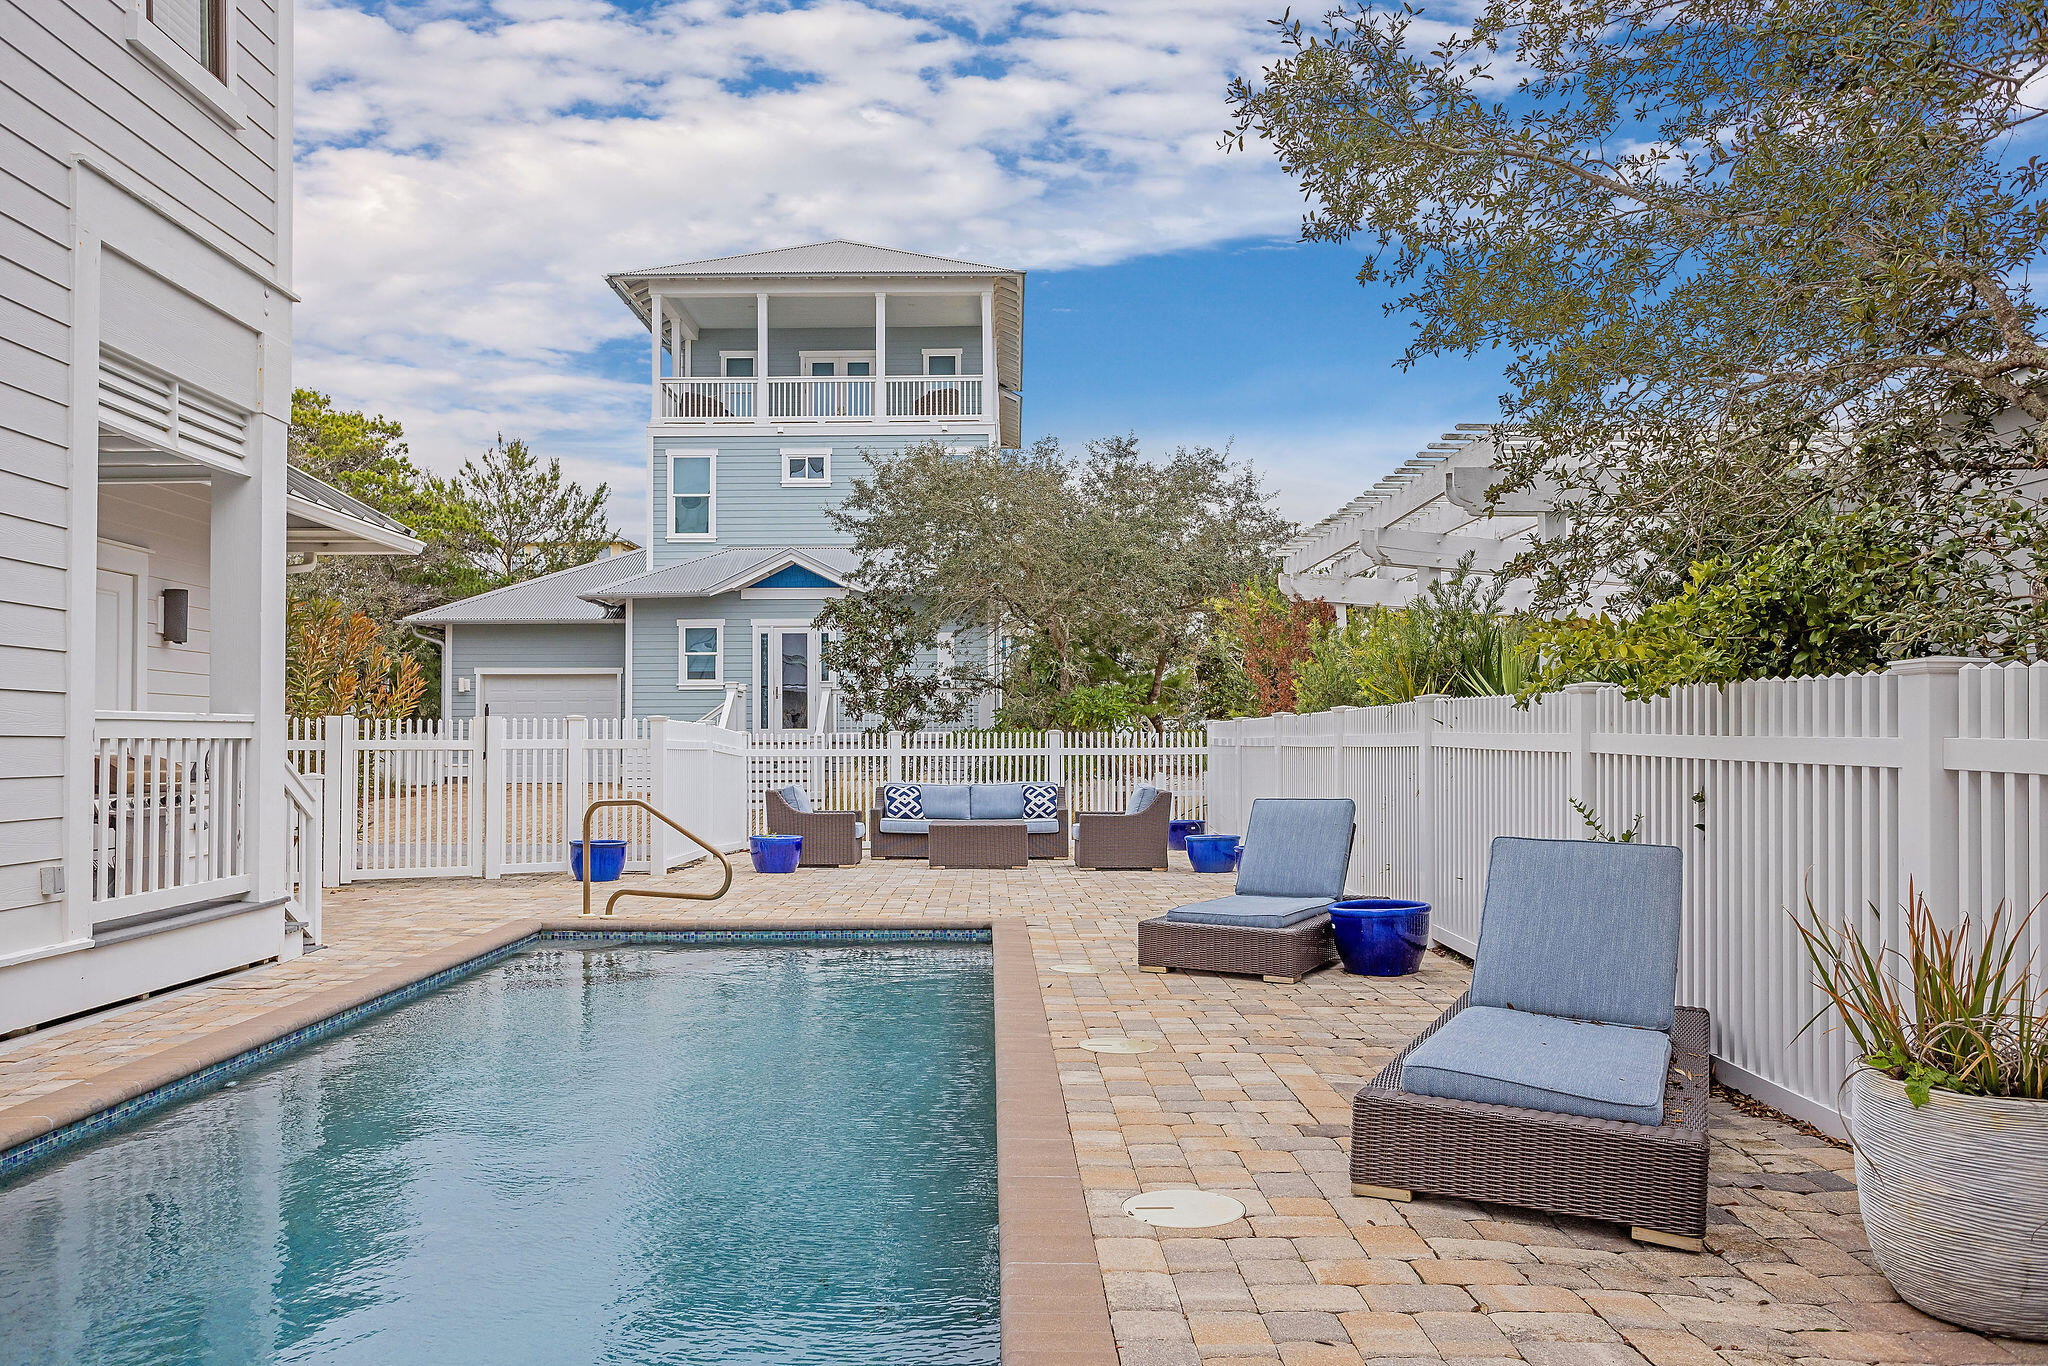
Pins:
x,y
943,801
1584,929
1540,1062
996,801
795,798
1141,797
1297,846
1251,912
890,826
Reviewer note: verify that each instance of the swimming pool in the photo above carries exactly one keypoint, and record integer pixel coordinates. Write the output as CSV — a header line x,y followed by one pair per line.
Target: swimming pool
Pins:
x,y
584,1152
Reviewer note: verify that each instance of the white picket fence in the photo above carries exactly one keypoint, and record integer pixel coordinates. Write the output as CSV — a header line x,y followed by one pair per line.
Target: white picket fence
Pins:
x,y
1845,788
421,798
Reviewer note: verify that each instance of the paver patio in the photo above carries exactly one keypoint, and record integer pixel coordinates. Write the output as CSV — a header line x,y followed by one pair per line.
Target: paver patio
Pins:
x,y
1248,1093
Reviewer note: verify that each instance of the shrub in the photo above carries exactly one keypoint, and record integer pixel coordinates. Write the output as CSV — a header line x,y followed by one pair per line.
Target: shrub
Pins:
x,y
1452,640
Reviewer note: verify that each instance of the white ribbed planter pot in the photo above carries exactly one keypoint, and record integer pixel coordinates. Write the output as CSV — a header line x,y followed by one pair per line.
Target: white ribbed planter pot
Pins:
x,y
1955,1202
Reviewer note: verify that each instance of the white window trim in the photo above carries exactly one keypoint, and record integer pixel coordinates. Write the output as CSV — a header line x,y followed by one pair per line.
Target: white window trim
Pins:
x,y
683,680
725,367
213,94
959,356
788,452
669,492
804,359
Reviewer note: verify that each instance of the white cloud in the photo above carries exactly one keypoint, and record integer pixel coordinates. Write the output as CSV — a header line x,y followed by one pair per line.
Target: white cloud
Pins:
x,y
468,173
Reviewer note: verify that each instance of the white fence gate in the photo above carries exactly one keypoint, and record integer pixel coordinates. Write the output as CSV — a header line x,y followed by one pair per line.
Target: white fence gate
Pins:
x,y
1842,788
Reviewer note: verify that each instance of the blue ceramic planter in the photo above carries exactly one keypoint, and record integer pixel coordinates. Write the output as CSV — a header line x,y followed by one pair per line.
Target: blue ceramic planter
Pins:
x,y
1380,936
1214,853
1177,833
607,860
775,853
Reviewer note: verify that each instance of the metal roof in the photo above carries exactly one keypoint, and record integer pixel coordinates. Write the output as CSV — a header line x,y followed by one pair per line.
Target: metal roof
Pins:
x,y
319,504
555,597
723,571
836,257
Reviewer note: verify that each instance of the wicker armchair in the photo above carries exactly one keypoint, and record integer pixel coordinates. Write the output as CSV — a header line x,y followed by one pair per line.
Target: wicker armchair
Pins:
x,y
831,838
1125,839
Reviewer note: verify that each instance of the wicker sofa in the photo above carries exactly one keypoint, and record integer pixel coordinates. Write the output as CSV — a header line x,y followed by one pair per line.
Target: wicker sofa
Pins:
x,y
900,822
1134,838
1566,1080
1297,851
831,838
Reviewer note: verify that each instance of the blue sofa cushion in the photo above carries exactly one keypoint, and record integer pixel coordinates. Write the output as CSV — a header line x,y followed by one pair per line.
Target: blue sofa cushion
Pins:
x,y
1141,797
1539,1062
1040,826
943,801
900,801
1296,846
796,798
896,826
1584,929
996,801
1251,912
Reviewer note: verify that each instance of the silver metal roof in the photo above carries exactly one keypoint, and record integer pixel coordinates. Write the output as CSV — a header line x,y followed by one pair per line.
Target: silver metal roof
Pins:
x,y
555,597
724,571
837,257
300,484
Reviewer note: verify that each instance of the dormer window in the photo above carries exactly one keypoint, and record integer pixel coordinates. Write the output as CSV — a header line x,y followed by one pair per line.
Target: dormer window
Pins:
x,y
807,465
692,493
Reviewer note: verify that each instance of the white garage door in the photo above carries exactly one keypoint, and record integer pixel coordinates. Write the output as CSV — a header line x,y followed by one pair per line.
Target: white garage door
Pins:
x,y
568,694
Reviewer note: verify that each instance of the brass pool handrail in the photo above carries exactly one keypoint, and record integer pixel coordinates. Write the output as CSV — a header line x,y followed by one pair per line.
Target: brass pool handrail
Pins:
x,y
689,835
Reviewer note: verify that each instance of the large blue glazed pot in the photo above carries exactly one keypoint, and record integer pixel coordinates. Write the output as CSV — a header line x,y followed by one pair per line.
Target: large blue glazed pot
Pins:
x,y
1177,832
775,853
1214,853
1381,936
607,860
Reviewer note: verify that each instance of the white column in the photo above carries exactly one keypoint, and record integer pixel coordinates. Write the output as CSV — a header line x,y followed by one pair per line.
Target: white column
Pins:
x,y
246,660
656,307
337,795
760,356
1929,699
881,404
988,357
1579,704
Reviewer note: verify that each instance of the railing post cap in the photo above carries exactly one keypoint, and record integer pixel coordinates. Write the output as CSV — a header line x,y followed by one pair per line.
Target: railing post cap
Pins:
x,y
1579,689
1931,664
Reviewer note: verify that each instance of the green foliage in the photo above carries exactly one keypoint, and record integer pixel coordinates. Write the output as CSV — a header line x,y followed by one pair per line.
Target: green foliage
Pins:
x,y
532,519
1746,261
882,649
1452,640
1954,1009
1262,636
1098,568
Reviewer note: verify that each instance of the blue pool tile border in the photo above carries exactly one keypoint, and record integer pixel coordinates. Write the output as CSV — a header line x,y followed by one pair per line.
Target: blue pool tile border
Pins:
x,y
214,1074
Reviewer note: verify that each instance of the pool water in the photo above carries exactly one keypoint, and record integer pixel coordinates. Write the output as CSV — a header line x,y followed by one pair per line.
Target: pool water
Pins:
x,y
610,1153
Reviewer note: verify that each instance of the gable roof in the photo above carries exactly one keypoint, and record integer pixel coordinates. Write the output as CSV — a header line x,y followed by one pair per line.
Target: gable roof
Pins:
x,y
551,598
727,570
836,257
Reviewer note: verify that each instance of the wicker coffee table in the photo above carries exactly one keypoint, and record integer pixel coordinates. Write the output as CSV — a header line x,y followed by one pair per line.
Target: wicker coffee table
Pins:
x,y
978,844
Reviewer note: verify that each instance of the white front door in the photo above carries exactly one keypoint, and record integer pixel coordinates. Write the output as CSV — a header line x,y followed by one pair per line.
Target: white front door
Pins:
x,y
114,607
786,660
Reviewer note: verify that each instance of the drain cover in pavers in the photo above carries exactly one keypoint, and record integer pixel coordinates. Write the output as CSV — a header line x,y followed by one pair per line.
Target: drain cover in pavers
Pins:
x,y
1075,968
1183,1209
1118,1045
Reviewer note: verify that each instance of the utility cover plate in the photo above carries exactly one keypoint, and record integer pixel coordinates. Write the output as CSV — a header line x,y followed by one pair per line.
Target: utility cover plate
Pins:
x,y
1183,1208
1118,1044
1078,969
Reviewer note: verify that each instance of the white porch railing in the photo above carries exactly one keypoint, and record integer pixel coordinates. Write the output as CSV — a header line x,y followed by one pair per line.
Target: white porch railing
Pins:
x,y
303,810
170,807
902,398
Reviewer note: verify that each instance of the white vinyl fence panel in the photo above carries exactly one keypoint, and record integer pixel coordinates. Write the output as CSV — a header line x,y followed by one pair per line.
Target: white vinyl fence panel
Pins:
x,y
1843,789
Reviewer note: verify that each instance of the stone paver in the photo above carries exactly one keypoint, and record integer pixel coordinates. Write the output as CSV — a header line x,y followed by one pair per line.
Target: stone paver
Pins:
x,y
1248,1092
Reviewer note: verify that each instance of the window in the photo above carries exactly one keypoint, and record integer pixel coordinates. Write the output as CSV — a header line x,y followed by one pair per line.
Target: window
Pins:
x,y
692,486
942,363
736,364
197,28
807,465
701,653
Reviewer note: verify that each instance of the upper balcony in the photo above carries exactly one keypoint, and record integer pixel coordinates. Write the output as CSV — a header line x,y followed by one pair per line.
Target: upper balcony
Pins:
x,y
834,334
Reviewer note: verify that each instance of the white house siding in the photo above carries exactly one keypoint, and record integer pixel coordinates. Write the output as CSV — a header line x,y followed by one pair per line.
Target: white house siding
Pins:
x,y
656,643
596,645
173,523
103,158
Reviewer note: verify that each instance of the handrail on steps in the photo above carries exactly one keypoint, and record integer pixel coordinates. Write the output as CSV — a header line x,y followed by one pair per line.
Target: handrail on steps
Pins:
x,y
689,835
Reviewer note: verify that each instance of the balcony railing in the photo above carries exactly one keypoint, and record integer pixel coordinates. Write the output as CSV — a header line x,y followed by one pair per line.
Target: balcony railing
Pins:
x,y
170,803
778,399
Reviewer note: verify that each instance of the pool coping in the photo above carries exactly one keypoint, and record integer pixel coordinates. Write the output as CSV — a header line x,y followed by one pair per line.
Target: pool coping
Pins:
x,y
1054,1308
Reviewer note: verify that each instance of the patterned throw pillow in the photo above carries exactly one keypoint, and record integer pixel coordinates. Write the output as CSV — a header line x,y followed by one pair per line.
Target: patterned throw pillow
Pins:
x,y
1041,801
902,802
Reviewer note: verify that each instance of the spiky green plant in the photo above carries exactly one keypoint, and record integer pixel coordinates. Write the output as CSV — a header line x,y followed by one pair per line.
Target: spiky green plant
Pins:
x,y
1955,1009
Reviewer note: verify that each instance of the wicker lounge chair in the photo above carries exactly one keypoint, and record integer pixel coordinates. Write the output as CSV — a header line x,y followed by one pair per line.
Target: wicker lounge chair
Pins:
x,y
831,838
1277,925
1133,838
1566,1080
908,837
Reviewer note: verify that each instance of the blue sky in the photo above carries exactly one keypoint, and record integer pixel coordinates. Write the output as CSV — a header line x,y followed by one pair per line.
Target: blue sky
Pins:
x,y
468,171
